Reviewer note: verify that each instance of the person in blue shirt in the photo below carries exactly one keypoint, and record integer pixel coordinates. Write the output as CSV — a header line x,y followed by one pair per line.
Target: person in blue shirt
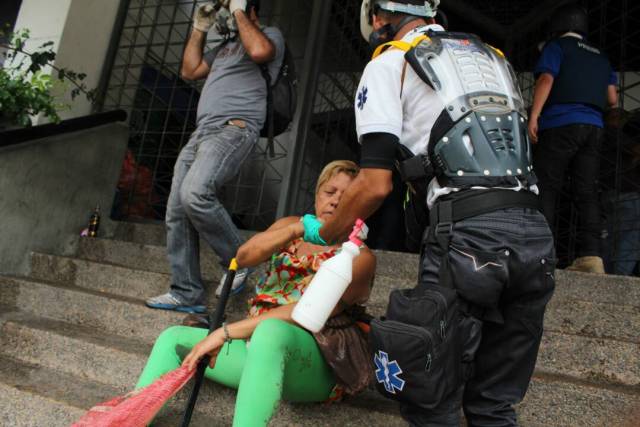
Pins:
x,y
575,85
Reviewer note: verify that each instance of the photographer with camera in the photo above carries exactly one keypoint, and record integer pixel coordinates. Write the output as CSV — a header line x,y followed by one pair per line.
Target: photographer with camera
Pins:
x,y
231,111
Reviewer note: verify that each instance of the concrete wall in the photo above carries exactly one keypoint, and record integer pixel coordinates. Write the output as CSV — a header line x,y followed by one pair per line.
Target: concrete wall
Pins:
x,y
44,19
49,187
83,46
80,31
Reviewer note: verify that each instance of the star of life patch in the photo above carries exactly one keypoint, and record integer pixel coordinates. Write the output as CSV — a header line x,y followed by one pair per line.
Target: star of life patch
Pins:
x,y
388,372
362,97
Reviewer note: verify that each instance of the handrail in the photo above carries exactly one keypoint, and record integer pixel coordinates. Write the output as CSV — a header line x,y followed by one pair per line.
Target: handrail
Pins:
x,y
17,136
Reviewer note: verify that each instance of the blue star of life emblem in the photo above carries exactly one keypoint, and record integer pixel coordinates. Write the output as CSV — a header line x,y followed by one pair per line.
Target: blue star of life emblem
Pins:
x,y
388,372
362,97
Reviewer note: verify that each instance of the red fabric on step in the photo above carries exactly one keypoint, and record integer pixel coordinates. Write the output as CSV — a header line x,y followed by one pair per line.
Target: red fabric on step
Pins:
x,y
139,407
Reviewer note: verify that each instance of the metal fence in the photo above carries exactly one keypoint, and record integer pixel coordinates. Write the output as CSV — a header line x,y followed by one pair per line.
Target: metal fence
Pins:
x,y
330,125
324,38
144,80
614,27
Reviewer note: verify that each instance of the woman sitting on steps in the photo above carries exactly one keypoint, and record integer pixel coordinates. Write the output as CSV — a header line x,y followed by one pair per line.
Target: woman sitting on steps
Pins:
x,y
283,360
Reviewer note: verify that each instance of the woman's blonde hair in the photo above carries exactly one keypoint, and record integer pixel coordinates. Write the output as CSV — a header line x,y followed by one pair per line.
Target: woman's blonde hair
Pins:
x,y
334,168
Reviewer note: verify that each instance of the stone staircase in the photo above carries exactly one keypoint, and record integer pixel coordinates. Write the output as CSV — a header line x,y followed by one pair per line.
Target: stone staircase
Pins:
x,y
76,332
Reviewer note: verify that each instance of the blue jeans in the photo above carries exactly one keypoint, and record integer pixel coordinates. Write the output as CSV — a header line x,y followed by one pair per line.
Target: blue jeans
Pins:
x,y
213,155
623,227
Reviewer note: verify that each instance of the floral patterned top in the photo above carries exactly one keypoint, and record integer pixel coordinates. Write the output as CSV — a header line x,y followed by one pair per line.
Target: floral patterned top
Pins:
x,y
287,277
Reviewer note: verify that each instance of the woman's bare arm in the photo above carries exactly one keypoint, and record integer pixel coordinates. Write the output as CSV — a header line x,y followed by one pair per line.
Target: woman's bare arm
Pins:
x,y
241,329
261,246
359,289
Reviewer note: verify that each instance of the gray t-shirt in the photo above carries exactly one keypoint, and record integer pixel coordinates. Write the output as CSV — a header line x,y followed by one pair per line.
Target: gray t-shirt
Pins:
x,y
235,88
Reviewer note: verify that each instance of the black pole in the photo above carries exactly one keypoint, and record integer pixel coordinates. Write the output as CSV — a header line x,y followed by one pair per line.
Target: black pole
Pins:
x,y
215,321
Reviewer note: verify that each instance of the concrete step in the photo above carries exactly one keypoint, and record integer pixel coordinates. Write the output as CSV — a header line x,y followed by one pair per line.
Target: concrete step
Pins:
x,y
598,360
400,270
367,409
118,353
568,393
599,288
594,320
616,294
149,233
559,402
36,396
67,396
107,359
21,408
142,257
82,351
99,276
590,287
123,315
33,396
402,267
154,233
588,371
114,314
141,284
44,396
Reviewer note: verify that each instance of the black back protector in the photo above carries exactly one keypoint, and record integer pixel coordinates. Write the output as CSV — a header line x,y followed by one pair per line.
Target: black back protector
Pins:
x,y
480,138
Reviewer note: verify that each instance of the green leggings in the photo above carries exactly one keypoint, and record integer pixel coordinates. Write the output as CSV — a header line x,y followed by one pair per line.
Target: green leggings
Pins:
x,y
282,360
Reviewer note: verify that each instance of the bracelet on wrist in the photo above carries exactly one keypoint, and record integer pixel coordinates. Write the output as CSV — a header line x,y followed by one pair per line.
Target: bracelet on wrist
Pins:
x,y
227,337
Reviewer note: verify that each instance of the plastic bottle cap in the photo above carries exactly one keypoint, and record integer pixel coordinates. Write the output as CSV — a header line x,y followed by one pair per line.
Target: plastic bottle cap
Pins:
x,y
359,233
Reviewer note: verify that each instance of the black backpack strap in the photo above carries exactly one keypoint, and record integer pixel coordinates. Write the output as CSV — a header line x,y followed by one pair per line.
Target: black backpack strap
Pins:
x,y
416,168
441,219
264,70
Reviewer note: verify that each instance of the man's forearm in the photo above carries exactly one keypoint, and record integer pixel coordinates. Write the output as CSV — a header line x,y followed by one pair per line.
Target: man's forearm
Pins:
x,y
612,96
192,57
361,199
257,45
541,94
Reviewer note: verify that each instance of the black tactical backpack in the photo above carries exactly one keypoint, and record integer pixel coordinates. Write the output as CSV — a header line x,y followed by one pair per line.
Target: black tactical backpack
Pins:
x,y
281,98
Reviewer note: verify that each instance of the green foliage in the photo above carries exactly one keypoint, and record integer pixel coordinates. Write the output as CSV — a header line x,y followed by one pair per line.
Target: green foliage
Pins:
x,y
26,86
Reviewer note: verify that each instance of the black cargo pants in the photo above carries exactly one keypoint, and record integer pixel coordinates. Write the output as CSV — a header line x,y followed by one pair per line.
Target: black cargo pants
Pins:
x,y
573,149
505,259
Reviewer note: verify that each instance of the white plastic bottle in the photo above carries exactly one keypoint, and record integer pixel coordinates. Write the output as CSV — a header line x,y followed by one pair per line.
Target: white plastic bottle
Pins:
x,y
329,283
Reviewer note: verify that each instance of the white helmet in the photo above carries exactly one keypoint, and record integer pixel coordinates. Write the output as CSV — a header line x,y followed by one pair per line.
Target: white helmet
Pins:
x,y
426,9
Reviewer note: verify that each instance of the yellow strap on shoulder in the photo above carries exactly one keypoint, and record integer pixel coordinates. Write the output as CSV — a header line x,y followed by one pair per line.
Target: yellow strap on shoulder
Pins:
x,y
398,44
498,51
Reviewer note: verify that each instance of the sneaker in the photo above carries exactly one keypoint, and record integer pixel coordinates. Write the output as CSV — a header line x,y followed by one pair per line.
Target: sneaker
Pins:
x,y
587,264
238,282
169,302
